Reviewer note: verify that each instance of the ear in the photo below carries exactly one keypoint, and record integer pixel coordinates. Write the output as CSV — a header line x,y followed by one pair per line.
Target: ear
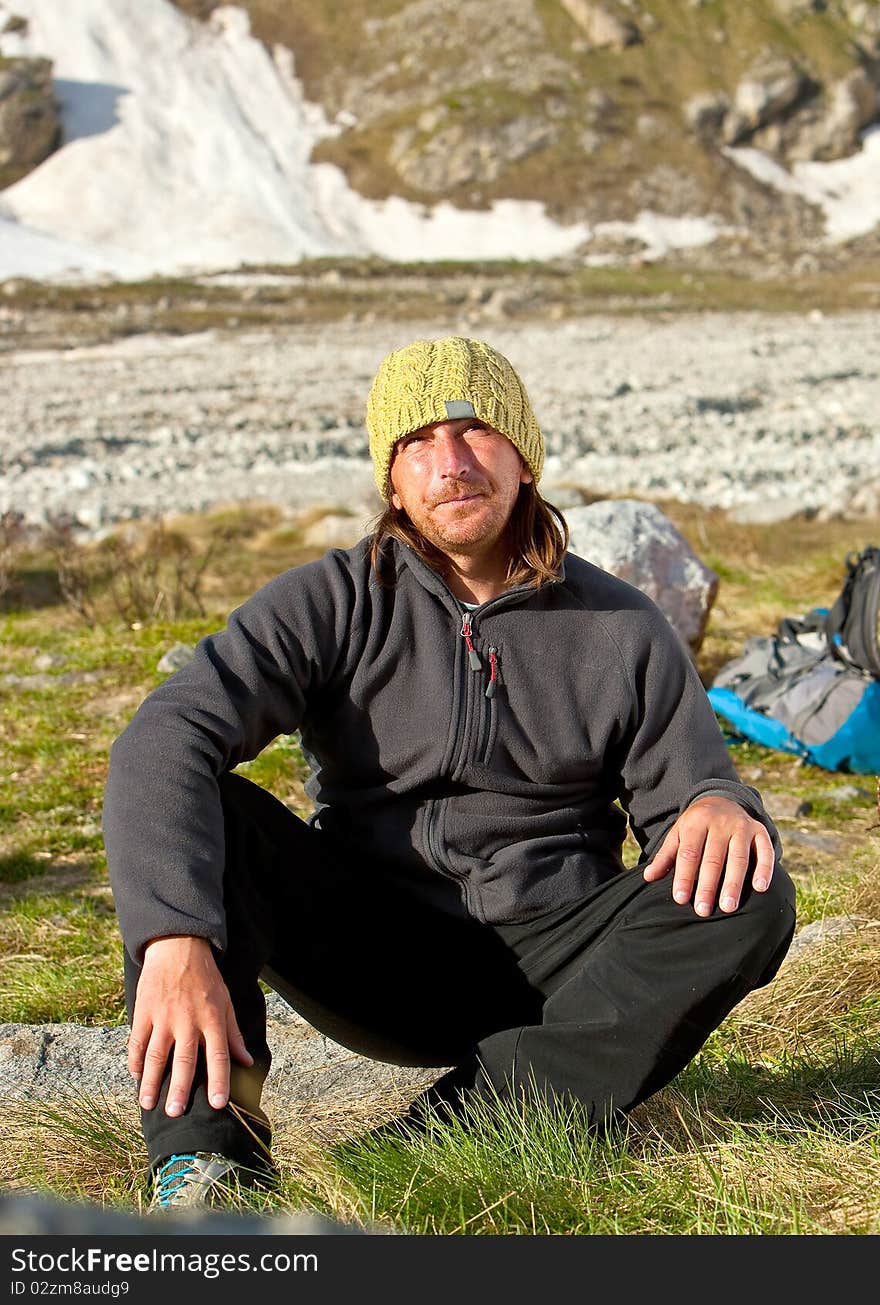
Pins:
x,y
396,501
525,476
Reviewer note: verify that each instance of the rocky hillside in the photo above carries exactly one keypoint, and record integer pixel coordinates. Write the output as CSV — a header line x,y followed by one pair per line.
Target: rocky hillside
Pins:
x,y
599,109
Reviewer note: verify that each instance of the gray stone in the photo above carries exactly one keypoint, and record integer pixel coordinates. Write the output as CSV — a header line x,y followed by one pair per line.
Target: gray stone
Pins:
x,y
834,132
45,680
767,511
48,661
704,113
786,806
175,658
602,28
816,842
799,8
29,123
46,1061
820,931
848,793
637,542
768,89
562,495
335,530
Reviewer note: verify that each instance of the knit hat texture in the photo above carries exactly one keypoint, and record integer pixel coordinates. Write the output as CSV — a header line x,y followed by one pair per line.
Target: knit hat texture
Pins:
x,y
440,380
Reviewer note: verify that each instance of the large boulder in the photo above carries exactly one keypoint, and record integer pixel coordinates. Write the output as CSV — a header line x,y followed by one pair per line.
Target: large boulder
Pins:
x,y
29,125
637,542
52,1061
834,130
770,88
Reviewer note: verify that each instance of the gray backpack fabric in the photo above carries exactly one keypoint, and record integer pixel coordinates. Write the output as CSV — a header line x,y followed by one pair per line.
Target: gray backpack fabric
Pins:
x,y
813,688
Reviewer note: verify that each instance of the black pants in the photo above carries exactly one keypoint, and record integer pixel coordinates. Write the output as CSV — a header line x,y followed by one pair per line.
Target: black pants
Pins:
x,y
602,1002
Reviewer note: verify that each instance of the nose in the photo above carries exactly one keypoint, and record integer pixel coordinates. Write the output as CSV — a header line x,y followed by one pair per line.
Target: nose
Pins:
x,y
452,456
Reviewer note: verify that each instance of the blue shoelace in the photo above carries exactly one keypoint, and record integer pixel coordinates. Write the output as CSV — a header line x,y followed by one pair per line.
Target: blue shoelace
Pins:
x,y
167,1183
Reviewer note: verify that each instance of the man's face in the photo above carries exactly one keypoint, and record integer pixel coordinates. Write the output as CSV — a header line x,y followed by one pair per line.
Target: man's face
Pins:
x,y
458,482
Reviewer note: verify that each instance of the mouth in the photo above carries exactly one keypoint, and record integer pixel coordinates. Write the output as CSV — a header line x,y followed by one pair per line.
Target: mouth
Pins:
x,y
459,498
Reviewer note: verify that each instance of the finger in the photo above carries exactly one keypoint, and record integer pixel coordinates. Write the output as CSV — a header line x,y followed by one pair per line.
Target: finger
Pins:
x,y
664,858
183,1068
138,1039
687,866
155,1060
765,860
236,1042
738,857
712,864
217,1061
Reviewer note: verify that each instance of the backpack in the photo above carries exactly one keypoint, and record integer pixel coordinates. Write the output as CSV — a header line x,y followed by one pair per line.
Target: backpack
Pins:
x,y
852,623
813,688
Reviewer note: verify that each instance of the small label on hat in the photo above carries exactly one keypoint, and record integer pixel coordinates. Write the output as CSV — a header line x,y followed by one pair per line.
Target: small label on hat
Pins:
x,y
459,408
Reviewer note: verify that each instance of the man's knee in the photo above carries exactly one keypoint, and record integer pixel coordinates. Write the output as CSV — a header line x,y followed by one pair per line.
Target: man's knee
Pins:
x,y
773,914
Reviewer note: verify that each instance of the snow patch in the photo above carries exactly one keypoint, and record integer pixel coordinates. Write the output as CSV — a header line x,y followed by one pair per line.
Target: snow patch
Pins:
x,y
187,149
846,190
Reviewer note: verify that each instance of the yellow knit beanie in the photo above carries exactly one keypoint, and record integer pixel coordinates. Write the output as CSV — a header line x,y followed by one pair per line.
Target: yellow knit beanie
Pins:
x,y
441,380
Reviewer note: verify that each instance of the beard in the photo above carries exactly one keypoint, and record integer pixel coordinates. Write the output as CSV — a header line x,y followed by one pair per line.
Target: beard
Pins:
x,y
480,520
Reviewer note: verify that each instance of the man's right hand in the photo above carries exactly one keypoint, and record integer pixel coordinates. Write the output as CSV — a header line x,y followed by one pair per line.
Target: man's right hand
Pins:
x,y
182,1003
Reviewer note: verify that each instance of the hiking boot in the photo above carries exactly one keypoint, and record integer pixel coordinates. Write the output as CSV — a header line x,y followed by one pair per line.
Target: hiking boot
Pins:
x,y
199,1179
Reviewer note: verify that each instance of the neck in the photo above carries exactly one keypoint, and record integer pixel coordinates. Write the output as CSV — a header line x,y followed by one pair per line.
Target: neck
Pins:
x,y
476,580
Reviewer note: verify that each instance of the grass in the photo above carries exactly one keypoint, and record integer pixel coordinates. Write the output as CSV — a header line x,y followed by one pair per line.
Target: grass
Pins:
x,y
772,1130
325,290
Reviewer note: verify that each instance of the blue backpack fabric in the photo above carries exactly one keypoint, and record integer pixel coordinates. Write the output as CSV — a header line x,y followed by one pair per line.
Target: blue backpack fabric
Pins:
x,y
813,688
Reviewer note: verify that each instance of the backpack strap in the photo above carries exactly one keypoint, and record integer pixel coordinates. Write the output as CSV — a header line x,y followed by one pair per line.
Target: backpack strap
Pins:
x,y
851,624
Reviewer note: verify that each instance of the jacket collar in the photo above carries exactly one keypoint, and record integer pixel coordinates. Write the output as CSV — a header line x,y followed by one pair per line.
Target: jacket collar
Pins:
x,y
404,556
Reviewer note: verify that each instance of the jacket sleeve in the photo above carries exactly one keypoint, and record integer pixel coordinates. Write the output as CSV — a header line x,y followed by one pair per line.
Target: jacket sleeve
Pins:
x,y
674,751
162,815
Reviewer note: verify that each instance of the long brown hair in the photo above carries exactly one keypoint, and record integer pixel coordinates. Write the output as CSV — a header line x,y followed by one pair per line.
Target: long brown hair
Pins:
x,y
536,534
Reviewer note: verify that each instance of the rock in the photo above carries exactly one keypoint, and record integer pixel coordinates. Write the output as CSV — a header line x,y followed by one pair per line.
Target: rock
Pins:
x,y
335,530
848,793
562,495
865,499
852,104
602,28
828,843
799,8
705,113
766,511
862,500
48,661
786,806
772,86
60,1061
29,125
175,658
638,542
461,153
46,680
820,931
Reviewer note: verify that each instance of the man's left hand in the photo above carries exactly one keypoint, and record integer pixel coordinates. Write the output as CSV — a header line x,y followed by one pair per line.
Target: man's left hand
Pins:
x,y
710,847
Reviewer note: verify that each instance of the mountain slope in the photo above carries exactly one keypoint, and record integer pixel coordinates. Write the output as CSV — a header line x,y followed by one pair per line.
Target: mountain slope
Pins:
x,y
471,100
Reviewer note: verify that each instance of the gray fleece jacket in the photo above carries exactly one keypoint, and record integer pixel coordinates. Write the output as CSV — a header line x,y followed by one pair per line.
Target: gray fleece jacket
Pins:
x,y
487,750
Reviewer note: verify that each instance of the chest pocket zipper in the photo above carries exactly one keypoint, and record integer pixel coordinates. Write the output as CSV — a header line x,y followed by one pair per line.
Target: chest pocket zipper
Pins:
x,y
487,740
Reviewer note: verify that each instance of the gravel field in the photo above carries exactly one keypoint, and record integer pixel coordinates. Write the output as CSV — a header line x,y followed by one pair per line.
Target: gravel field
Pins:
x,y
763,414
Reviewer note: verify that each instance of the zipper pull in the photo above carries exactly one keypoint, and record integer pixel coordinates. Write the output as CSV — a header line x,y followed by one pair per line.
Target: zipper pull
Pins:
x,y
473,656
493,673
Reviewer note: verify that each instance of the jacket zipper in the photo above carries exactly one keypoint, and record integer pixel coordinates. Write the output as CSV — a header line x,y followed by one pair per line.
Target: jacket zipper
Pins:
x,y
488,707
473,656
475,664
